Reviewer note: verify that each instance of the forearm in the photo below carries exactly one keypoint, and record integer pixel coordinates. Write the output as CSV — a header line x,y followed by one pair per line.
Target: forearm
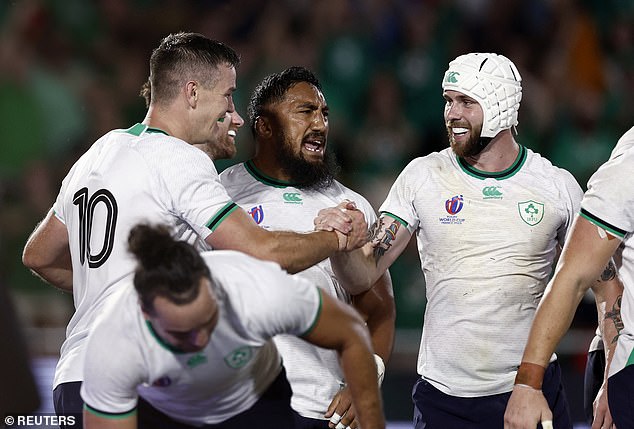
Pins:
x,y
608,294
355,270
360,373
295,251
61,278
379,311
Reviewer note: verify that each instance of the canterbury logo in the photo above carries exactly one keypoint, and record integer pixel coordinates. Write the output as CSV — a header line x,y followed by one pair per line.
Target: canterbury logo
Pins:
x,y
292,197
452,77
491,191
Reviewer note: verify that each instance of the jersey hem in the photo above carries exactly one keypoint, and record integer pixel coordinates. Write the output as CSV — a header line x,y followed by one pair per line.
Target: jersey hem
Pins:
x,y
111,416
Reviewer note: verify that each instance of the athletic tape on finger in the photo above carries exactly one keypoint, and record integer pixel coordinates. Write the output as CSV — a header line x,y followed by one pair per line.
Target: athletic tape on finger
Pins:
x,y
335,418
547,424
340,426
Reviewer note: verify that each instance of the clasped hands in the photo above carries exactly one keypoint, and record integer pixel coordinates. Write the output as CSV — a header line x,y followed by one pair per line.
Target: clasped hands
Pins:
x,y
347,221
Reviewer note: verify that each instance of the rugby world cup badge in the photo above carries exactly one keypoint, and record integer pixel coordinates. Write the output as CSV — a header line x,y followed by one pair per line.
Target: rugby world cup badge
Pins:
x,y
453,206
531,212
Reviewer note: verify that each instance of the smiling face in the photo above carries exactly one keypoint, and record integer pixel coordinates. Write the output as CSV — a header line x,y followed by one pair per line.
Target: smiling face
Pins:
x,y
463,119
223,145
212,103
186,327
300,130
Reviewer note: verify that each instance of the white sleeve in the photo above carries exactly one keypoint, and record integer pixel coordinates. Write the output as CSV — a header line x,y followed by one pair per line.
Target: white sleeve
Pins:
x,y
197,194
610,195
400,199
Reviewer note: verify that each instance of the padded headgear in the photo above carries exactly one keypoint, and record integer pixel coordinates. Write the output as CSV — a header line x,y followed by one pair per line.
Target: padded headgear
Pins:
x,y
494,82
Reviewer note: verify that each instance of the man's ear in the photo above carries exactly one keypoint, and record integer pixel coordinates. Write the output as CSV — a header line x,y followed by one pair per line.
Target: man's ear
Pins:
x,y
263,127
191,93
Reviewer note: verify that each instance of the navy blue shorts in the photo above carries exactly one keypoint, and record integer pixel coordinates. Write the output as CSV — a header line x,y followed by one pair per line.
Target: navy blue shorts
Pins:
x,y
67,402
272,411
434,409
302,422
621,392
592,381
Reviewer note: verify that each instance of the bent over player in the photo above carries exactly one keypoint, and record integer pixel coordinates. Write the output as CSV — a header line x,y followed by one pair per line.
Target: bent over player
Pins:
x,y
186,341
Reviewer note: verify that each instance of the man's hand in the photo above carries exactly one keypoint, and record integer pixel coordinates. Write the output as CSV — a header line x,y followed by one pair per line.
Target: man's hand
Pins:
x,y
526,408
347,221
602,416
341,411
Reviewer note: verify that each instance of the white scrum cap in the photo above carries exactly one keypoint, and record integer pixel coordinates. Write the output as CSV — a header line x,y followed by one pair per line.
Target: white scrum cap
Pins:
x,y
494,82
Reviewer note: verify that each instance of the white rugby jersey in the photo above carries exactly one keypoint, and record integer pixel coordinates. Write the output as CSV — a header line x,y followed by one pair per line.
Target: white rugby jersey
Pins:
x,y
487,242
609,203
314,373
257,300
127,177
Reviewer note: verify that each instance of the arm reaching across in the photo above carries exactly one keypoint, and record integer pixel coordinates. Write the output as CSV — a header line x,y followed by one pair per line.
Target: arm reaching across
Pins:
x,y
360,269
293,251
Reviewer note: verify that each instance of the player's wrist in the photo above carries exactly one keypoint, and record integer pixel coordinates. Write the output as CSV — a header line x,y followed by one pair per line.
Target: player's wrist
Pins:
x,y
342,241
530,375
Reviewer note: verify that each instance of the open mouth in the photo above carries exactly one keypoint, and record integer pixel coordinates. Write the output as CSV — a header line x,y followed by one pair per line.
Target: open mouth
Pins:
x,y
314,144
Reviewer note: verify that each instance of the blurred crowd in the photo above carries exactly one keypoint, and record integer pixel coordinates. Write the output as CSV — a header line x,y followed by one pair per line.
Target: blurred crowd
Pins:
x,y
71,70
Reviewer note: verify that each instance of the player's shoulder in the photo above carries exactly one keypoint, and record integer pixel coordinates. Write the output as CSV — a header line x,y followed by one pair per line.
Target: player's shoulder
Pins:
x,y
540,166
233,175
339,192
432,164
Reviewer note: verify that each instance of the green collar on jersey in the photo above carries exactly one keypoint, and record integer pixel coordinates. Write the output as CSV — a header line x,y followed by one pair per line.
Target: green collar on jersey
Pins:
x,y
138,129
261,177
162,342
499,175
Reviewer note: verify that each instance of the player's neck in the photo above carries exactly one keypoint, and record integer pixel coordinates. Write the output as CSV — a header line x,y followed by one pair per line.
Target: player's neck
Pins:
x,y
499,154
266,162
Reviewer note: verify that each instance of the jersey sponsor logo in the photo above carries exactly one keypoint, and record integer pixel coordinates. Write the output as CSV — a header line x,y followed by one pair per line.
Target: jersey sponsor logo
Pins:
x,y
239,357
257,213
492,192
454,204
292,198
452,77
531,212
162,382
196,360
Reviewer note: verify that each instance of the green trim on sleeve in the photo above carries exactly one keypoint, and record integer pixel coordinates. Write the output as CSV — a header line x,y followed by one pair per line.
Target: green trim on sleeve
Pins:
x,y
111,416
221,215
602,224
392,215
312,325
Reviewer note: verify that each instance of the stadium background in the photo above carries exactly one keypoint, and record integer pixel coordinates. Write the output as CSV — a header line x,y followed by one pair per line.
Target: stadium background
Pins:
x,y
70,70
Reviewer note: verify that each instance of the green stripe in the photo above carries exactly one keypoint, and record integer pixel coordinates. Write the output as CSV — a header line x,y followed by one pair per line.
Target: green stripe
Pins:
x,y
111,416
136,129
312,325
602,224
499,175
263,178
215,221
630,361
162,342
156,130
392,215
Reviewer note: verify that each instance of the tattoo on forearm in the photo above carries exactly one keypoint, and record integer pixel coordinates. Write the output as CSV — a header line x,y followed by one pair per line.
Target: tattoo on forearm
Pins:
x,y
382,235
615,316
609,273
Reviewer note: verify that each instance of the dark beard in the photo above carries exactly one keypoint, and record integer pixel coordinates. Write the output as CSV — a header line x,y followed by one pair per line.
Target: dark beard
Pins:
x,y
472,148
307,175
